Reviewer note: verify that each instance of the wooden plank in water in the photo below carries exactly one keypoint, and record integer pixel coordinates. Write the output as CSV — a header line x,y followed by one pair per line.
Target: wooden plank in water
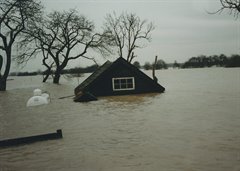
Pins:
x,y
31,139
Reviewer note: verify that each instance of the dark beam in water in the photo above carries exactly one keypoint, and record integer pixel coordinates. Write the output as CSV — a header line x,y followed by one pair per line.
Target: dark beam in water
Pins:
x,y
31,139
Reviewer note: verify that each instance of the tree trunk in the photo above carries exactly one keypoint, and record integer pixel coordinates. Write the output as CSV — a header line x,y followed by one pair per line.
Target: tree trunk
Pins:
x,y
1,63
3,83
47,73
3,78
45,78
58,71
56,77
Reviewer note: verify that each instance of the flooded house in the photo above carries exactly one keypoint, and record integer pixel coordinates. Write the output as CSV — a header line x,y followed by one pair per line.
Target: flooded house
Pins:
x,y
116,78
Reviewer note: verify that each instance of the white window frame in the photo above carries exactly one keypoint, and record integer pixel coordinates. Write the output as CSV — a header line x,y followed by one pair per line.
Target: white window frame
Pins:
x,y
122,89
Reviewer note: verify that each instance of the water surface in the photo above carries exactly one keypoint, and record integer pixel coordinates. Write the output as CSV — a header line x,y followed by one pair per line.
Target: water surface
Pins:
x,y
193,126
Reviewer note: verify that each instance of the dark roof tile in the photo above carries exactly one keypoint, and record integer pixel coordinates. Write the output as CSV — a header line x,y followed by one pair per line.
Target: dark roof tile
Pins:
x,y
93,76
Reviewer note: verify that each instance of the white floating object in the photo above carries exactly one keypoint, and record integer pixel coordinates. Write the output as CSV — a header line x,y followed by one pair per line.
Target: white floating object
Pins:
x,y
37,92
38,98
45,95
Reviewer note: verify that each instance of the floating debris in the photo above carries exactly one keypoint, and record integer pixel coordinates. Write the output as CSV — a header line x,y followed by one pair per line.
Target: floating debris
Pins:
x,y
31,139
38,98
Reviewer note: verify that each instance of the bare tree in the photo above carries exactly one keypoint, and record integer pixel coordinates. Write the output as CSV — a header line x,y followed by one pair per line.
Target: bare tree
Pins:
x,y
14,16
232,5
61,37
127,32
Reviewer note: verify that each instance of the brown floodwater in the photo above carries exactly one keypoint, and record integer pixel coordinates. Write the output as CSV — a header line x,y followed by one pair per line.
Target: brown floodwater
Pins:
x,y
193,126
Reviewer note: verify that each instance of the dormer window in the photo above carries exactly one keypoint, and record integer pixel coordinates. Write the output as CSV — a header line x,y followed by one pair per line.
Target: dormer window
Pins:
x,y
123,83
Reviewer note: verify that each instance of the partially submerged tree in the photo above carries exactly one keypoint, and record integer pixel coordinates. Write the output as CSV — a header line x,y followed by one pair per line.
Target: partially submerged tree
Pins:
x,y
61,37
232,5
128,33
14,18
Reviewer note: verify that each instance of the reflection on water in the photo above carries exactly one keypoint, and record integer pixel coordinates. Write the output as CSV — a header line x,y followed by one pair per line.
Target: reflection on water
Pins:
x,y
194,125
138,99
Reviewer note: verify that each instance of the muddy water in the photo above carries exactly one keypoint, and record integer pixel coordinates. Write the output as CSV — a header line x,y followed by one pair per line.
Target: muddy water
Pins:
x,y
193,126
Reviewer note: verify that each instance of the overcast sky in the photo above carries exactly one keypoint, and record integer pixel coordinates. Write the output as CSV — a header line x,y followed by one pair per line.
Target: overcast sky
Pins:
x,y
183,27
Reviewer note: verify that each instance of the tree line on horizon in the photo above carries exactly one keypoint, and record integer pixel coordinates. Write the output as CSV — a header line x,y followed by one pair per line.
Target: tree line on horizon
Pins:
x,y
210,61
76,70
201,61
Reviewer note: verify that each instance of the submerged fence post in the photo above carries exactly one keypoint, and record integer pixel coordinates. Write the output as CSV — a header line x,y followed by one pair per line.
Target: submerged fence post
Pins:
x,y
154,68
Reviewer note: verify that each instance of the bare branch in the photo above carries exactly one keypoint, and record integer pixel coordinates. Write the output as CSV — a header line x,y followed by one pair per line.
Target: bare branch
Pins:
x,y
126,31
14,16
2,48
65,36
233,6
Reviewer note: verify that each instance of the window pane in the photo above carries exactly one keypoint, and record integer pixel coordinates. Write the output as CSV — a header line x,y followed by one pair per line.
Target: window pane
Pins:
x,y
123,86
129,80
116,81
123,81
129,85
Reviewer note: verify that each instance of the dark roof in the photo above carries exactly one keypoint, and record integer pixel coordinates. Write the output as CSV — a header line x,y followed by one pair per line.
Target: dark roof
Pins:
x,y
99,73
93,76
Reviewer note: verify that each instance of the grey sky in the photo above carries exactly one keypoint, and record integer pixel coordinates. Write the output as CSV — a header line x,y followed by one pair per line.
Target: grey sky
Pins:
x,y
183,27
